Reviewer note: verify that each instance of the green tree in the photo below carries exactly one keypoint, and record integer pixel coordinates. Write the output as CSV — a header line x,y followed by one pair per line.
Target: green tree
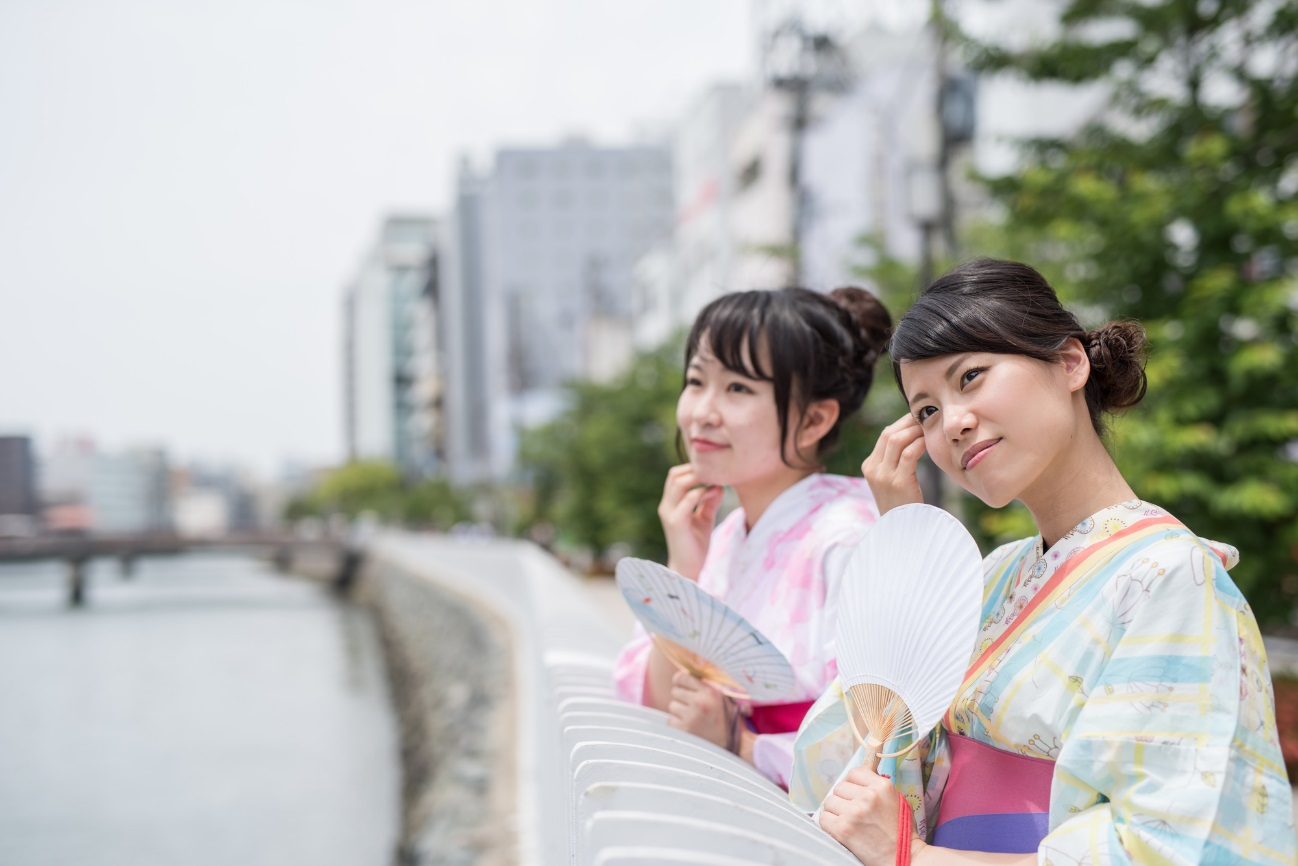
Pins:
x,y
377,486
434,504
1176,206
597,471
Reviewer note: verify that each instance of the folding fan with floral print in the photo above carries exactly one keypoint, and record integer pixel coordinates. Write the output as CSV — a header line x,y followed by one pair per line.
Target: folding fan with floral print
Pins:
x,y
701,635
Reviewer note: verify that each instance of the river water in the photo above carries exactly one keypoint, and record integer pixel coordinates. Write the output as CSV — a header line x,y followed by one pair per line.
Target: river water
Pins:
x,y
202,712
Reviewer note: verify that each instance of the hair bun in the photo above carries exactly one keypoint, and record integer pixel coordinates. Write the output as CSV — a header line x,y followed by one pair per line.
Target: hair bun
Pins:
x,y
873,324
1117,354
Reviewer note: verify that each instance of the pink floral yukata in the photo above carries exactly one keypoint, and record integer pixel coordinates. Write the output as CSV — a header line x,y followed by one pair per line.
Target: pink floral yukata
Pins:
x,y
782,576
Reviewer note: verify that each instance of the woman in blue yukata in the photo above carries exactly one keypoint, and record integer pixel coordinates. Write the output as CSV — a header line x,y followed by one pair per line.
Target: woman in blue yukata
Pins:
x,y
1117,707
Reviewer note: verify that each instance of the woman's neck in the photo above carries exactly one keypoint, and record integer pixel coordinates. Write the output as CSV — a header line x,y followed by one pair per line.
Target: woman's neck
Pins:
x,y
756,496
1087,483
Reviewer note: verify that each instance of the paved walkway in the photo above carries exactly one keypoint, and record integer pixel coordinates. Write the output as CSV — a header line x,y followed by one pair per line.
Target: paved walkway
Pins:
x,y
610,602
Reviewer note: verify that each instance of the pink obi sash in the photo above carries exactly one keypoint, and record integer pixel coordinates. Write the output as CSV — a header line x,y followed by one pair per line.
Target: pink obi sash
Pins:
x,y
994,800
778,718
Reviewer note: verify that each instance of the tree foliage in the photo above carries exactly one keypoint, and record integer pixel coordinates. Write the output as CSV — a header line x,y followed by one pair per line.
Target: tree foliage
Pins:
x,y
377,487
1177,206
597,471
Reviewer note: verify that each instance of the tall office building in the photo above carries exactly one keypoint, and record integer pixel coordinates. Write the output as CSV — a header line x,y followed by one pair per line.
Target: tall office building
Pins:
x,y
540,288
387,325
473,341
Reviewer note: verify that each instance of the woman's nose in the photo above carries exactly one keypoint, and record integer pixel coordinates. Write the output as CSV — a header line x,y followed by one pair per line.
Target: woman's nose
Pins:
x,y
705,408
958,421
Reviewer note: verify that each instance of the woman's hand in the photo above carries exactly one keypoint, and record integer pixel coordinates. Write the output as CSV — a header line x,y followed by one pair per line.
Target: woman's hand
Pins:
x,y
861,814
688,511
701,710
890,469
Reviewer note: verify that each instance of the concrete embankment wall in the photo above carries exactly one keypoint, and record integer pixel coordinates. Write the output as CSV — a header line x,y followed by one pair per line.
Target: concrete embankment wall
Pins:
x,y
466,626
449,662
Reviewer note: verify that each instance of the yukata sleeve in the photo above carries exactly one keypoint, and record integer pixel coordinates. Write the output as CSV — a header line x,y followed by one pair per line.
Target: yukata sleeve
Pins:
x,y
631,666
1173,757
826,748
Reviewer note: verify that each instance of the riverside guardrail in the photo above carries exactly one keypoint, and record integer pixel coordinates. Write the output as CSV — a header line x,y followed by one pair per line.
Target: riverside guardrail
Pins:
x,y
587,779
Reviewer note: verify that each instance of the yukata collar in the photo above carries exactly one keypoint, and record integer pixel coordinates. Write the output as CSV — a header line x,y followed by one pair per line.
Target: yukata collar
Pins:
x,y
1096,527
773,515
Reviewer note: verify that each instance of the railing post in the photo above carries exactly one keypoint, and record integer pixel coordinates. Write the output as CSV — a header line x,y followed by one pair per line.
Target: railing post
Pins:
x,y
283,558
76,581
127,563
349,566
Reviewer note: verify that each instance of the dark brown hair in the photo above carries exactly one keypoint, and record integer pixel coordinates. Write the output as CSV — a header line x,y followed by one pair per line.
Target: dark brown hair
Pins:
x,y
819,347
992,305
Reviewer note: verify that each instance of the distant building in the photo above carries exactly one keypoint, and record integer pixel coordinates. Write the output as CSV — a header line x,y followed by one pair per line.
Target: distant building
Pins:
x,y
473,353
84,489
869,161
565,227
212,501
19,507
696,264
862,153
17,477
539,286
202,514
130,492
388,322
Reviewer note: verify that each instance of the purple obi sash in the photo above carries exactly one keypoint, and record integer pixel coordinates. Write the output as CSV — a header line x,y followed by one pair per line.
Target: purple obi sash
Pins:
x,y
994,800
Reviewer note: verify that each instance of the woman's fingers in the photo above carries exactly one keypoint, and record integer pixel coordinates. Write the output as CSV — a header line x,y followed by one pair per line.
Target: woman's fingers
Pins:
x,y
676,714
709,502
699,505
891,467
686,685
863,777
909,457
683,493
894,439
679,481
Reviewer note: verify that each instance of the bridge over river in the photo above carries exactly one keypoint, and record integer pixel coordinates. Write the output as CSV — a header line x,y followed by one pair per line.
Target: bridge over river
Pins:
x,y
77,551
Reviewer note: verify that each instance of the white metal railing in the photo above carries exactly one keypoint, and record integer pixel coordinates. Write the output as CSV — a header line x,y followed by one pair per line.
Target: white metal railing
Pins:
x,y
601,782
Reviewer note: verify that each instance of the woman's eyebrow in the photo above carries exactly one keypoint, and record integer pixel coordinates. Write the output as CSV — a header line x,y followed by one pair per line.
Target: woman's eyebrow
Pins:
x,y
950,371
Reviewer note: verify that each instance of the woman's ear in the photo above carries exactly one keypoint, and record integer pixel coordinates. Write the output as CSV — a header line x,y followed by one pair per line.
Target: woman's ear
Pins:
x,y
1077,364
818,419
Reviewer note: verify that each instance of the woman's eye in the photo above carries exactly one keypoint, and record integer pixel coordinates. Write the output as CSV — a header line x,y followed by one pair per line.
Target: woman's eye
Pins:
x,y
924,413
739,388
970,375
693,381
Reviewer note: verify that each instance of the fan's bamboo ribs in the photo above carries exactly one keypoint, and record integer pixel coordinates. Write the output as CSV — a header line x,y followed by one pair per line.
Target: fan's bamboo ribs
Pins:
x,y
701,668
883,715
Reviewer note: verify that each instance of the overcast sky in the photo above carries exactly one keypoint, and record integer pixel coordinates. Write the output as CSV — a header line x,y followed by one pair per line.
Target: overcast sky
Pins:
x,y
186,186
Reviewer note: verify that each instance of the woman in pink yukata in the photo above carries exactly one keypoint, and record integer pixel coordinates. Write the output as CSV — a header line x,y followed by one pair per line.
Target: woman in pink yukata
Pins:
x,y
770,378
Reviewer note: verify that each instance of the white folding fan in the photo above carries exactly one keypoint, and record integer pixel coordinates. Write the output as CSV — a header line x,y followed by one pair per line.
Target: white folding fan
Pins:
x,y
908,615
701,635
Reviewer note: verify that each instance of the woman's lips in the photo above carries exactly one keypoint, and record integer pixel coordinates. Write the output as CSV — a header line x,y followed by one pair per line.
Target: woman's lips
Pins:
x,y
703,446
975,454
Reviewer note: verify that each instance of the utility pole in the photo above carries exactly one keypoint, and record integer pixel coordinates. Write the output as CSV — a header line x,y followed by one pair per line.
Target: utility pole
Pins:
x,y
802,62
954,108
